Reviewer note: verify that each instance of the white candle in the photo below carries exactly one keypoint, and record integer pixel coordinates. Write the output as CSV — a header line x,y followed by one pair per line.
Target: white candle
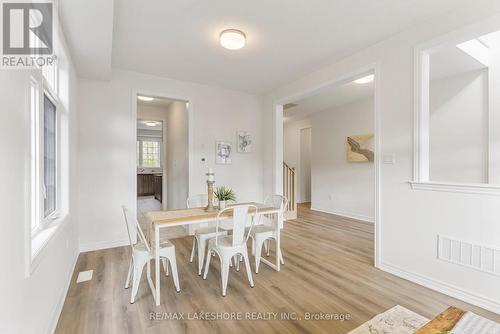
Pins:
x,y
210,174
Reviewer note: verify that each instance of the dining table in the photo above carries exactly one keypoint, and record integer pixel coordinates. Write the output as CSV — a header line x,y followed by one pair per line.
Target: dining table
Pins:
x,y
182,217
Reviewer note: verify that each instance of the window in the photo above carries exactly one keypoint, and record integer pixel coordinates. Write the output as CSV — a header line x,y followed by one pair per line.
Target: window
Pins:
x,y
148,153
45,156
456,119
49,157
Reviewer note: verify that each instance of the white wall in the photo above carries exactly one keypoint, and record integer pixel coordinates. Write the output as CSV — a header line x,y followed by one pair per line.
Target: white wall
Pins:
x,y
339,186
31,305
305,164
459,128
410,220
107,154
177,155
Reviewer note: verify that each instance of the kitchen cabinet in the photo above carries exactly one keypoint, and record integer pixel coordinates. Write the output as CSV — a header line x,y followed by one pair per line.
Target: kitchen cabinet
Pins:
x,y
145,185
158,187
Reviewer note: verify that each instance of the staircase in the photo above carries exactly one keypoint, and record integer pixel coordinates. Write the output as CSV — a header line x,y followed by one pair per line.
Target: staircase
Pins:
x,y
289,191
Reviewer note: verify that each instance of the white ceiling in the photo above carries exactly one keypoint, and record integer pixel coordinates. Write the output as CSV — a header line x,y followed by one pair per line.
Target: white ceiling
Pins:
x,y
157,102
179,38
450,61
88,27
329,98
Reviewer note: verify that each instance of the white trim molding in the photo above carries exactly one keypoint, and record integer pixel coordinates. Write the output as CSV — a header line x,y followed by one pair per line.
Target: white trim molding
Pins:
x,y
58,309
447,289
350,215
89,247
472,188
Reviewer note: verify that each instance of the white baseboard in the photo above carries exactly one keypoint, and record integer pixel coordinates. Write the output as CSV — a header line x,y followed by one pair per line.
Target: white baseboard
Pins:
x,y
62,297
346,214
447,289
103,245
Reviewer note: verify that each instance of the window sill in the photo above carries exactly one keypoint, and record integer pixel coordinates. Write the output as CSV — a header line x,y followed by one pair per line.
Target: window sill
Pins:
x,y
470,188
42,239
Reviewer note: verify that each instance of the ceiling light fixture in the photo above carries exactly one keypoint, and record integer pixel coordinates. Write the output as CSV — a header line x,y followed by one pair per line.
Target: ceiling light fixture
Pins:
x,y
232,39
145,98
151,123
365,80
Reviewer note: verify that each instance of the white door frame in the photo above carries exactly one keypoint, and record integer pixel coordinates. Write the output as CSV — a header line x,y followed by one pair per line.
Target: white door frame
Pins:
x,y
278,138
140,91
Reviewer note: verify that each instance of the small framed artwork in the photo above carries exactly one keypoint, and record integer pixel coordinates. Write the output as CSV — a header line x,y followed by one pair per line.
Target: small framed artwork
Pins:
x,y
244,141
223,152
360,148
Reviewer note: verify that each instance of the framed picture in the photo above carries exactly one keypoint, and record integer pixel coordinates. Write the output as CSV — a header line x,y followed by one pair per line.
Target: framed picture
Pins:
x,y
244,141
223,152
360,148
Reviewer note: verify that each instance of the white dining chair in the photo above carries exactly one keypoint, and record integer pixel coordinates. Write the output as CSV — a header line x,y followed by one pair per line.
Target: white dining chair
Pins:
x,y
202,234
262,234
229,246
142,254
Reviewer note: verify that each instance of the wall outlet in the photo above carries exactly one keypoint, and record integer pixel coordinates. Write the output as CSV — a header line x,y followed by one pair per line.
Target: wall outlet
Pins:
x,y
330,197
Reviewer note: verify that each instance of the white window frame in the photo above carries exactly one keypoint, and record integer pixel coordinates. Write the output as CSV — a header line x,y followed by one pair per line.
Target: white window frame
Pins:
x,y
38,221
421,122
141,154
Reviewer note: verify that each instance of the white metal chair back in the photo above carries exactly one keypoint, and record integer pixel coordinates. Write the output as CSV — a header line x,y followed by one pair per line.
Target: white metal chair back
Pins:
x,y
131,219
277,201
240,218
197,201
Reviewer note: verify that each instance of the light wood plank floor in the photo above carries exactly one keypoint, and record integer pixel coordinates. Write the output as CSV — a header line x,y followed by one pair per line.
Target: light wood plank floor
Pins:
x,y
329,269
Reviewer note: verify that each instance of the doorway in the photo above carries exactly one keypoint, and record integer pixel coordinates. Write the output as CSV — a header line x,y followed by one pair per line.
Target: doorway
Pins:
x,y
334,171
162,148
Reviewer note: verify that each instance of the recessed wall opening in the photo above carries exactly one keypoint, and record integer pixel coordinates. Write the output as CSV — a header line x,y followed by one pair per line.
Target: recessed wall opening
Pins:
x,y
328,144
162,148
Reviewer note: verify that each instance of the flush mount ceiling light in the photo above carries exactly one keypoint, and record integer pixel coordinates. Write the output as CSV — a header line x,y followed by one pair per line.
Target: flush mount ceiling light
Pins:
x,y
365,80
232,39
150,123
145,98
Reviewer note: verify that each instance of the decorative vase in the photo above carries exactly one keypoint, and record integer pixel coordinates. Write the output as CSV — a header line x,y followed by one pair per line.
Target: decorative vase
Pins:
x,y
222,205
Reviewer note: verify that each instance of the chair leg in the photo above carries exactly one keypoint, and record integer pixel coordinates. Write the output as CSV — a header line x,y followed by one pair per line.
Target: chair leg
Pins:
x,y
238,260
281,257
192,250
201,255
138,269
258,250
224,272
129,274
266,246
248,269
164,260
175,274
207,264
253,246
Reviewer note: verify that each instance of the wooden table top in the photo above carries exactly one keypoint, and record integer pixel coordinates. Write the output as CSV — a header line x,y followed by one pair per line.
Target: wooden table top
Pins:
x,y
196,215
443,323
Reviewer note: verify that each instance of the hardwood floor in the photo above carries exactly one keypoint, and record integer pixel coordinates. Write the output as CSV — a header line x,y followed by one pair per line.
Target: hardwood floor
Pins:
x,y
328,269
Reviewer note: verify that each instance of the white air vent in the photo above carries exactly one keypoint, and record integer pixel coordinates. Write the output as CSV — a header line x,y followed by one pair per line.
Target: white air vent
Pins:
x,y
468,254
84,276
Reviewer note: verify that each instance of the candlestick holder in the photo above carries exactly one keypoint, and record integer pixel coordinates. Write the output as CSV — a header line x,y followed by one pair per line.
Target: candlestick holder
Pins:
x,y
210,192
